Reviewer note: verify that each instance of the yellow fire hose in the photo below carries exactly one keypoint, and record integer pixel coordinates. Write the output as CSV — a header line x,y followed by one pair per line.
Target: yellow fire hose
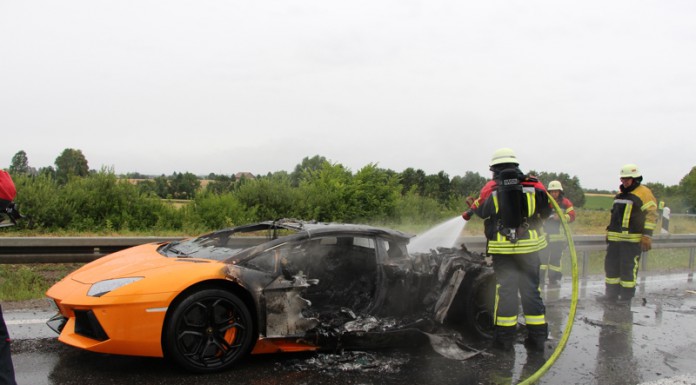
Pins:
x,y
573,303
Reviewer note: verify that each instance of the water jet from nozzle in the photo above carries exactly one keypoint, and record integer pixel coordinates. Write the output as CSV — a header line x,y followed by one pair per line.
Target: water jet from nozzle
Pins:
x,y
443,235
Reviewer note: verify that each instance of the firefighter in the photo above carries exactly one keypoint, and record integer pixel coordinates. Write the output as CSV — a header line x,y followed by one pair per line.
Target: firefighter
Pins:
x,y
7,195
633,220
514,206
551,258
7,191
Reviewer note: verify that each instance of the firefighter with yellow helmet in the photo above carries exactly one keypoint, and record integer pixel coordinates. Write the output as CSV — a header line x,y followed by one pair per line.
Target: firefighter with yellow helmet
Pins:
x,y
630,230
514,206
551,258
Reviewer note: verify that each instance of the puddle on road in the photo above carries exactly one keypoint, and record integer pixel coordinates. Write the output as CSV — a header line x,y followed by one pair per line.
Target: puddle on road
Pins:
x,y
653,339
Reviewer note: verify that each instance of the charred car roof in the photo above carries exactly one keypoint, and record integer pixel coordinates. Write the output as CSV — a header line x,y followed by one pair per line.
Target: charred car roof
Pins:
x,y
316,228
217,245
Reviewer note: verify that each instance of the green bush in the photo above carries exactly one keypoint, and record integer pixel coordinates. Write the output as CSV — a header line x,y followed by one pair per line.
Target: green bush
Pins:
x,y
211,211
98,203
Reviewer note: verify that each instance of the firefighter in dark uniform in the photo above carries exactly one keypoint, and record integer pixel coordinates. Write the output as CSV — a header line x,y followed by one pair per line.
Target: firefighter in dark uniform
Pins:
x,y
633,220
551,258
514,206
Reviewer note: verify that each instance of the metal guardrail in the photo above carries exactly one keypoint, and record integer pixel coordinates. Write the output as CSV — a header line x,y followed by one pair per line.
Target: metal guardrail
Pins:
x,y
66,249
22,250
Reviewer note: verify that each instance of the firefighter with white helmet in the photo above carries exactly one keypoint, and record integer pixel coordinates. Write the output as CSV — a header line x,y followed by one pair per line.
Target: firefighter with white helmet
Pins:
x,y
514,206
633,220
551,258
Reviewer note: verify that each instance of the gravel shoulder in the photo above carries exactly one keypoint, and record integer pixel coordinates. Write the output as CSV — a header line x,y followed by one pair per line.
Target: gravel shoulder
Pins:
x,y
30,304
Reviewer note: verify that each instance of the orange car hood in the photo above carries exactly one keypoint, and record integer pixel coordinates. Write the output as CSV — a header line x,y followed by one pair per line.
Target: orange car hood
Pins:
x,y
134,261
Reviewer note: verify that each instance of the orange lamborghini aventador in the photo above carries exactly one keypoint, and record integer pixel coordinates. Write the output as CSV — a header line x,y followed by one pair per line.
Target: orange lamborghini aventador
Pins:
x,y
206,302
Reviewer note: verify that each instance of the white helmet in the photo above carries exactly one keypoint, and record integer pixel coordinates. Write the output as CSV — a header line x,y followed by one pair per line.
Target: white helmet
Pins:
x,y
503,155
555,185
630,171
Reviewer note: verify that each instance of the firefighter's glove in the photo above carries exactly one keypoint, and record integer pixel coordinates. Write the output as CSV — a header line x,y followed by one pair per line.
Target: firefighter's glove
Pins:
x,y
467,214
645,243
12,212
470,201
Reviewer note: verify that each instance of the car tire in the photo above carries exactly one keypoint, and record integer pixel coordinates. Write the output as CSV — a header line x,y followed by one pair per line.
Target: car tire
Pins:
x,y
479,304
208,331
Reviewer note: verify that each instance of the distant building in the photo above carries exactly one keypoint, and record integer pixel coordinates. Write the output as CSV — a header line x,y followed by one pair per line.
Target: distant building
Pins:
x,y
245,175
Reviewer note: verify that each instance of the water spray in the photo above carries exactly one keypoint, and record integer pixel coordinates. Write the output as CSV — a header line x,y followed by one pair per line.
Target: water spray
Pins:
x,y
445,234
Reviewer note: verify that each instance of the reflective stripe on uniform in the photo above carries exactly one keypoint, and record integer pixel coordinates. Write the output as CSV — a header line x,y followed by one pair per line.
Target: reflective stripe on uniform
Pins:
x,y
625,236
627,211
506,321
530,193
523,246
632,283
535,319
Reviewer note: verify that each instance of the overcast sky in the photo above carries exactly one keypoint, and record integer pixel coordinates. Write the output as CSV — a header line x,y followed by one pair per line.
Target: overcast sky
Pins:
x,y
163,86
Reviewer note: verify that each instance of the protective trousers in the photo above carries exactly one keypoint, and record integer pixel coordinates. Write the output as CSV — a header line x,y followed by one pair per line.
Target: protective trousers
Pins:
x,y
552,260
621,269
7,375
518,273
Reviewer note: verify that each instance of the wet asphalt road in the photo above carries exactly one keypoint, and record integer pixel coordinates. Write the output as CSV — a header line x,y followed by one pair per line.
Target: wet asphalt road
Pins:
x,y
654,340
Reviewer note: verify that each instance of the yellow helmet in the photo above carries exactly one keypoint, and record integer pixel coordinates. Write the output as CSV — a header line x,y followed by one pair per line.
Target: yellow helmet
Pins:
x,y
504,155
630,171
555,185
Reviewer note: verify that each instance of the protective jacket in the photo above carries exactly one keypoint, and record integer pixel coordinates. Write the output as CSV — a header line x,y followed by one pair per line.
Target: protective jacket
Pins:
x,y
633,214
7,187
535,208
8,192
553,225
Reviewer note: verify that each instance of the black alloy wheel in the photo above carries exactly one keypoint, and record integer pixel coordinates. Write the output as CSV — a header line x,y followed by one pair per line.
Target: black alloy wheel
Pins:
x,y
208,331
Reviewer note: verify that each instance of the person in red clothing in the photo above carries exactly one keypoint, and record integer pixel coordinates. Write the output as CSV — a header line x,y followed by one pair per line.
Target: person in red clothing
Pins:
x,y
514,207
8,191
7,195
551,259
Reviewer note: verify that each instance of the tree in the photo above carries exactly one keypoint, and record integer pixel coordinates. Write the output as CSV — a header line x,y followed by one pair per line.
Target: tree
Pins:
x,y
184,185
69,163
270,197
306,166
324,193
413,180
161,187
220,184
373,193
468,185
687,188
20,163
135,175
438,186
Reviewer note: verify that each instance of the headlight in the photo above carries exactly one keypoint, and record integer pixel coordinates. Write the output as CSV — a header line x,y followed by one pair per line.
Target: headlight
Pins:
x,y
102,287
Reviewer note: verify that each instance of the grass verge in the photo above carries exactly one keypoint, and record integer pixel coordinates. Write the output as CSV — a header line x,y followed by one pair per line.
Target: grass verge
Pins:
x,y
24,282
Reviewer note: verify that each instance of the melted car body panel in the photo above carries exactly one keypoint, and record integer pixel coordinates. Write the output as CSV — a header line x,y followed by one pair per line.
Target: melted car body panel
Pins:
x,y
351,286
284,307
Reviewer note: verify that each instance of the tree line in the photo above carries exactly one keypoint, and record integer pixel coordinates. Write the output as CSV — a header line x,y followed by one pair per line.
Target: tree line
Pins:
x,y
70,196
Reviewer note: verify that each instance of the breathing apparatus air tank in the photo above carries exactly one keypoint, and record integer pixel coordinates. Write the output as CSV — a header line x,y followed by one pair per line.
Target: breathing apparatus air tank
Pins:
x,y
510,201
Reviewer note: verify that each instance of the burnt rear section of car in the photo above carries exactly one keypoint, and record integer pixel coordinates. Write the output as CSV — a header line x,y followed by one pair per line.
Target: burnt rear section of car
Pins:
x,y
318,290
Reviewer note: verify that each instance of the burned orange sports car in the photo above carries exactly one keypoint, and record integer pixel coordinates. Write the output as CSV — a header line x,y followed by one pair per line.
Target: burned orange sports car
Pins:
x,y
206,302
